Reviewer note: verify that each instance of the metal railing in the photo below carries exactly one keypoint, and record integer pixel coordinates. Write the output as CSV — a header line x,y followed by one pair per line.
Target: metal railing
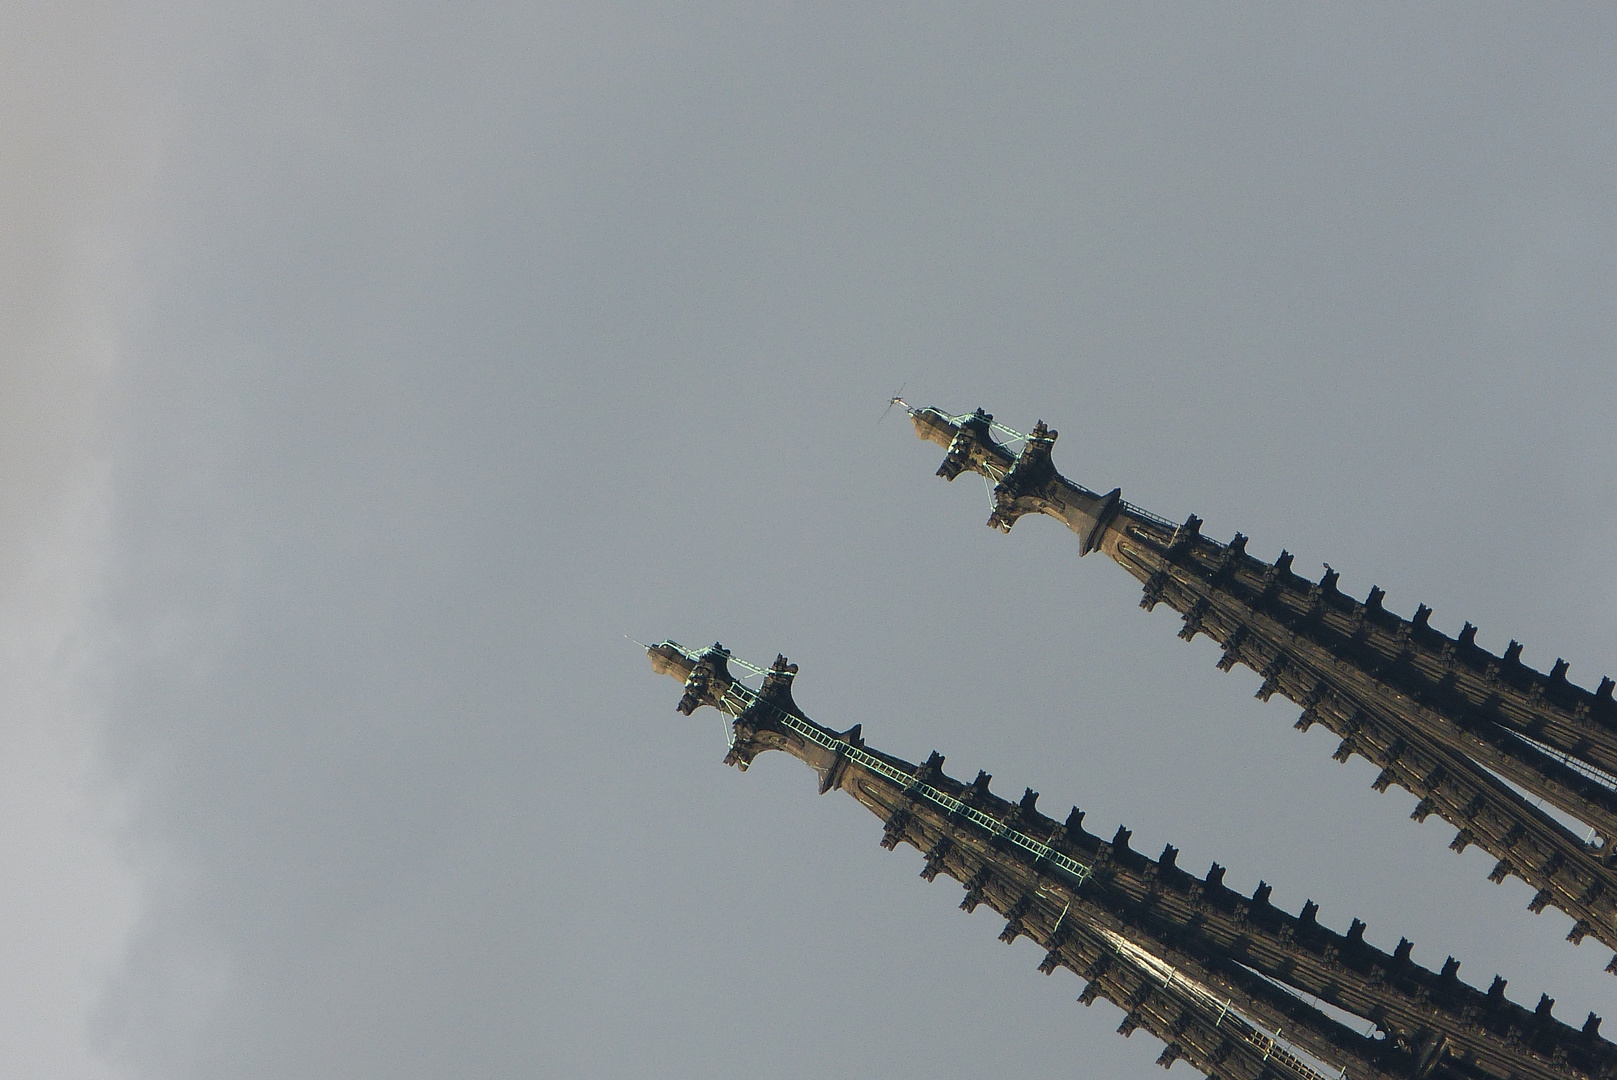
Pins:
x,y
1272,1046
1146,515
738,698
1577,765
745,697
993,473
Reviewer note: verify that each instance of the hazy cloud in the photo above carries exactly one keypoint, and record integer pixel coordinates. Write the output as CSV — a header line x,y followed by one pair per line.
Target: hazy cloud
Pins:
x,y
452,345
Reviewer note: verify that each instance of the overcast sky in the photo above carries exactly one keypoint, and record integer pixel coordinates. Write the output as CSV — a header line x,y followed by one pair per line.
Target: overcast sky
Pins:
x,y
371,370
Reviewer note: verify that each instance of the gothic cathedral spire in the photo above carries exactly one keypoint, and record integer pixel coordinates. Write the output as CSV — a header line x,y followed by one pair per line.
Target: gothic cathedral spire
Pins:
x,y
1440,716
1215,975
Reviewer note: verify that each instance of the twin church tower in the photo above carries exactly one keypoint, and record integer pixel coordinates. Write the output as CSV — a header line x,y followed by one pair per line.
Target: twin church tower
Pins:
x,y
1221,978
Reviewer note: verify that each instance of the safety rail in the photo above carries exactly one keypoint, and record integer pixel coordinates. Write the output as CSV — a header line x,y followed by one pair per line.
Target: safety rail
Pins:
x,y
1577,765
1273,1048
738,698
1146,515
747,697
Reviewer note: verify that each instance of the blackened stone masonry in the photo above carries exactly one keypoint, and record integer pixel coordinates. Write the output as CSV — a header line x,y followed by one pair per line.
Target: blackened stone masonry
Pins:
x,y
1213,974
1440,716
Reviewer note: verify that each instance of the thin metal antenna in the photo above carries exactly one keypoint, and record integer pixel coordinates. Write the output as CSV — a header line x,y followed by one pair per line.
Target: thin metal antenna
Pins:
x,y
896,400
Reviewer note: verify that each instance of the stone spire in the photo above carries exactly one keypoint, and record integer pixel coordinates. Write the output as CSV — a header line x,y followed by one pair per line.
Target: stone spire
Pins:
x,y
1214,974
1440,716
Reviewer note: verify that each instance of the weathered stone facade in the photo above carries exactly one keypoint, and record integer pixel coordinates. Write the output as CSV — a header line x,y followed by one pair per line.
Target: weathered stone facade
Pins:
x,y
1440,716
1215,975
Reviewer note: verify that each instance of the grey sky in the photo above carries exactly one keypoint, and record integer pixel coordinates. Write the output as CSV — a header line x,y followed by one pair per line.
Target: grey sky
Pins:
x,y
371,370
